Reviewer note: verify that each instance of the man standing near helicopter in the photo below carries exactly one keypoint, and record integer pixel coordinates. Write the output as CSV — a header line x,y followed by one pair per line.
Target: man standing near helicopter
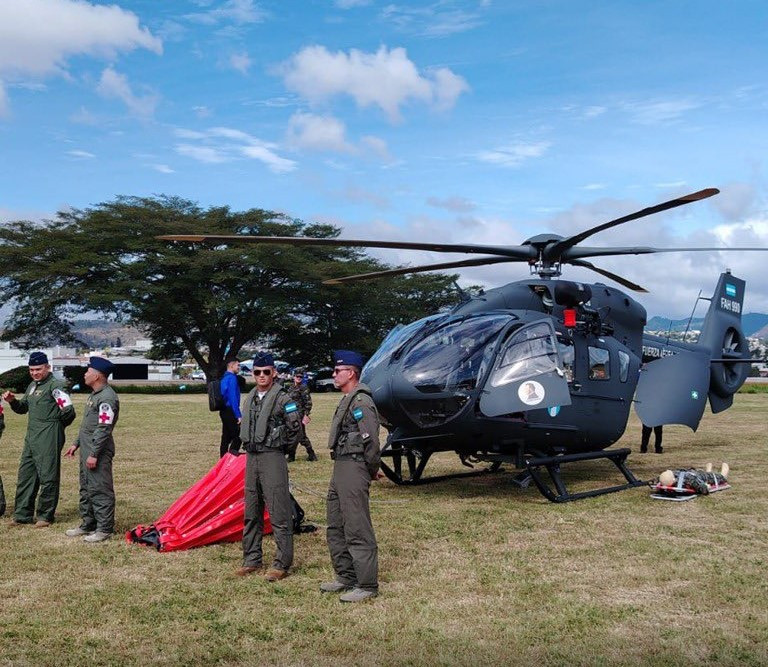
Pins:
x,y
354,444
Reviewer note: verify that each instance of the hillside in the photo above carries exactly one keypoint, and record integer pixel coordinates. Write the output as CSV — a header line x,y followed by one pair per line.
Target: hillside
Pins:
x,y
754,324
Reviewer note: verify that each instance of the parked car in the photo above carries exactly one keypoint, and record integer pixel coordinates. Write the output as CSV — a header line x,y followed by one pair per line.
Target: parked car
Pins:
x,y
197,375
321,380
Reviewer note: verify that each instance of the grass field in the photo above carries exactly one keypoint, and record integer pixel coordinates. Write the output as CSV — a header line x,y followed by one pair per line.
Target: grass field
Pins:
x,y
473,572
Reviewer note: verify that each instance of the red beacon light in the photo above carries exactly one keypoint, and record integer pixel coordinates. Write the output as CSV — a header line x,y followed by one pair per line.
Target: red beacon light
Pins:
x,y
569,318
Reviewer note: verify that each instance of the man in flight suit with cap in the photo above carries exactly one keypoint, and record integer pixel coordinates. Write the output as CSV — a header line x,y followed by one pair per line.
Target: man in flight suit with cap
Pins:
x,y
50,412
354,445
97,449
270,424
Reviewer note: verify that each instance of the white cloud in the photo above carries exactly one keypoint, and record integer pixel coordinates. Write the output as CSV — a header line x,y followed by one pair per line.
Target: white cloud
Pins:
x,y
4,110
349,4
163,168
240,62
387,79
513,155
435,20
201,111
318,133
37,37
225,144
594,186
115,85
236,11
660,111
81,155
456,204
376,147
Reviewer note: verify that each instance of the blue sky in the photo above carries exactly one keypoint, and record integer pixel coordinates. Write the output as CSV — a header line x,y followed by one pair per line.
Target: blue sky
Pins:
x,y
479,121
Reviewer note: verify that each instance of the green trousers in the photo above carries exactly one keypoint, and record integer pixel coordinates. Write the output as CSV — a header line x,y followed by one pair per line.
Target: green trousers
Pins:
x,y
2,498
39,471
97,494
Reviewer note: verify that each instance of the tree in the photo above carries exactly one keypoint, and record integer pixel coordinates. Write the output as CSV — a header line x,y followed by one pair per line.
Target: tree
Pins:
x,y
191,296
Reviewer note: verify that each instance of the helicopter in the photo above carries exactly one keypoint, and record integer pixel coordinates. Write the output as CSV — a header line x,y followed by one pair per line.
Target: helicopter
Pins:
x,y
542,372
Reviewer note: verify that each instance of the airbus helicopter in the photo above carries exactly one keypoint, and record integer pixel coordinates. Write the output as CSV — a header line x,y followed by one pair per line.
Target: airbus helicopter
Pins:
x,y
541,372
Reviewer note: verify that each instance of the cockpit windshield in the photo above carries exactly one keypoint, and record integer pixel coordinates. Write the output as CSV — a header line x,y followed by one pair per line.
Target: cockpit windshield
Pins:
x,y
395,338
455,355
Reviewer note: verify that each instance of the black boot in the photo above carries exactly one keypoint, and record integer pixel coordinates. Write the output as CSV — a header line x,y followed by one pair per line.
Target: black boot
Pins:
x,y
311,456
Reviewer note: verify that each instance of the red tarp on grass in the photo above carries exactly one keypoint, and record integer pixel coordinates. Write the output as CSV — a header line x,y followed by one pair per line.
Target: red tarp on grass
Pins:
x,y
210,511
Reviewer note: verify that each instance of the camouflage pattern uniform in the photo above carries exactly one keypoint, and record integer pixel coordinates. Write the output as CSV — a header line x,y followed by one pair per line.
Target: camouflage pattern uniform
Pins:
x,y
300,394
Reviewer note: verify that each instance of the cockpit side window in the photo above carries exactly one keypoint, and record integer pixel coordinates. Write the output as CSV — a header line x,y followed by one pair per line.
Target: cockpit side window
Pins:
x,y
623,366
599,364
529,352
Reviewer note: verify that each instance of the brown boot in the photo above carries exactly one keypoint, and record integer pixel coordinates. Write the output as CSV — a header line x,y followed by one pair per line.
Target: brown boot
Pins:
x,y
42,523
276,575
245,570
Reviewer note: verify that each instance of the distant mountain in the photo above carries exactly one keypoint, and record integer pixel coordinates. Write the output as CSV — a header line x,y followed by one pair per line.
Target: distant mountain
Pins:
x,y
98,333
754,324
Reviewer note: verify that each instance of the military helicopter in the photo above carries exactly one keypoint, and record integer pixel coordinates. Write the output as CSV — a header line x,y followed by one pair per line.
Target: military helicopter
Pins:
x,y
541,372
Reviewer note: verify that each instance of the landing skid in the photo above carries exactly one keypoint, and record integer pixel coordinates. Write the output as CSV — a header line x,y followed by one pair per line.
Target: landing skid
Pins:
x,y
416,460
560,494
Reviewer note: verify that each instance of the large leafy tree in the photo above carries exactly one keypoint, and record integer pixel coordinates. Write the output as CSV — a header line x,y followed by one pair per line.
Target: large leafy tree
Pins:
x,y
191,296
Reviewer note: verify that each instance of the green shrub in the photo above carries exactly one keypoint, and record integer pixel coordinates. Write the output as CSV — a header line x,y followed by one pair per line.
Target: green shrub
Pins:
x,y
17,379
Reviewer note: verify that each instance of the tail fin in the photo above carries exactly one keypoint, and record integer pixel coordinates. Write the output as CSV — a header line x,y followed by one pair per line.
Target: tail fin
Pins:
x,y
722,334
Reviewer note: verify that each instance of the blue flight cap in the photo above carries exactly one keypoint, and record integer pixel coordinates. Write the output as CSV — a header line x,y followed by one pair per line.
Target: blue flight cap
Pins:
x,y
38,359
102,365
263,359
348,358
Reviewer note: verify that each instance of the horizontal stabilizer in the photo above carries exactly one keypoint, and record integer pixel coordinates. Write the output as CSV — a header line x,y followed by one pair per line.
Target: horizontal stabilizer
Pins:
x,y
673,390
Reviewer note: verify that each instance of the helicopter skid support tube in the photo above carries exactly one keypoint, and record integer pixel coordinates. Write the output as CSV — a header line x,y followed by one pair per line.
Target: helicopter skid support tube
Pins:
x,y
560,493
416,461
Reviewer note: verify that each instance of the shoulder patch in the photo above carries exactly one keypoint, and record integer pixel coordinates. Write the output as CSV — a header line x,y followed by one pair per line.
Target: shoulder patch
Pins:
x,y
291,407
106,414
62,398
357,413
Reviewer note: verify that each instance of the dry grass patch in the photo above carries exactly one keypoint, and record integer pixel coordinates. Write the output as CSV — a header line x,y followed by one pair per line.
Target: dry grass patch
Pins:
x,y
473,572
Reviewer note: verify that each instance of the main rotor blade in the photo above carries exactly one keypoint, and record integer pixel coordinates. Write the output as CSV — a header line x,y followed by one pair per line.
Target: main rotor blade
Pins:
x,y
480,261
559,248
516,252
576,253
622,281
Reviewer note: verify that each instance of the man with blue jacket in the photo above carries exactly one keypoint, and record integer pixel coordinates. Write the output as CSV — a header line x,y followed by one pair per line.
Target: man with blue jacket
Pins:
x,y
230,414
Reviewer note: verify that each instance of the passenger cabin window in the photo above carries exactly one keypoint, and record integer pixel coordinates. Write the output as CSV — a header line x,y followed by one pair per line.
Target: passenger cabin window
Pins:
x,y
529,352
599,364
623,366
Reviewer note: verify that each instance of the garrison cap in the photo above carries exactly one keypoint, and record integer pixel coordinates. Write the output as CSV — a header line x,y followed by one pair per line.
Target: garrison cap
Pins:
x,y
348,358
38,359
101,364
263,359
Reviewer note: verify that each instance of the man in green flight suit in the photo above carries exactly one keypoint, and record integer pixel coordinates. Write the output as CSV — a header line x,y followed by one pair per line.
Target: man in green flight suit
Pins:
x,y
2,491
299,392
50,412
354,444
97,449
270,425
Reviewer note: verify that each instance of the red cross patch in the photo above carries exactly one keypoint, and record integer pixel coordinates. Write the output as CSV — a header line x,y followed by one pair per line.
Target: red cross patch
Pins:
x,y
106,414
62,398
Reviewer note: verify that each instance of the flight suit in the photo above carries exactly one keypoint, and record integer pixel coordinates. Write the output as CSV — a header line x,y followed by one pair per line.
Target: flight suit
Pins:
x,y
97,491
300,394
354,445
269,426
50,412
2,491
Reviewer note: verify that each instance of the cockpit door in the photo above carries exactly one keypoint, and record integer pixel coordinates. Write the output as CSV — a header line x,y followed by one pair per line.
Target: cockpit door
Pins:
x,y
527,373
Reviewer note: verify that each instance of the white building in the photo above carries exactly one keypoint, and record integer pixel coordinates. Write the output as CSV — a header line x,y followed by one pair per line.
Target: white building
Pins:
x,y
12,357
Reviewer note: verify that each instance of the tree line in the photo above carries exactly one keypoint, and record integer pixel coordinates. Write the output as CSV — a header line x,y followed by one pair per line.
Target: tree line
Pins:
x,y
207,300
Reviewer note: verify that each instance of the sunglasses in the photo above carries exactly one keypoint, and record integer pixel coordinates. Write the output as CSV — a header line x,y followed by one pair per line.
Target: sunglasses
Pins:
x,y
336,371
262,371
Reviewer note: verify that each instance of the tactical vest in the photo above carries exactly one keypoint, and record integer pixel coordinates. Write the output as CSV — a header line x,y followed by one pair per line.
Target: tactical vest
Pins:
x,y
344,438
258,429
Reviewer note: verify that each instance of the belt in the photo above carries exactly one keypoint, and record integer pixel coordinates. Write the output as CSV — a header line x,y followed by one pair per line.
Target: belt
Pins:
x,y
347,457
